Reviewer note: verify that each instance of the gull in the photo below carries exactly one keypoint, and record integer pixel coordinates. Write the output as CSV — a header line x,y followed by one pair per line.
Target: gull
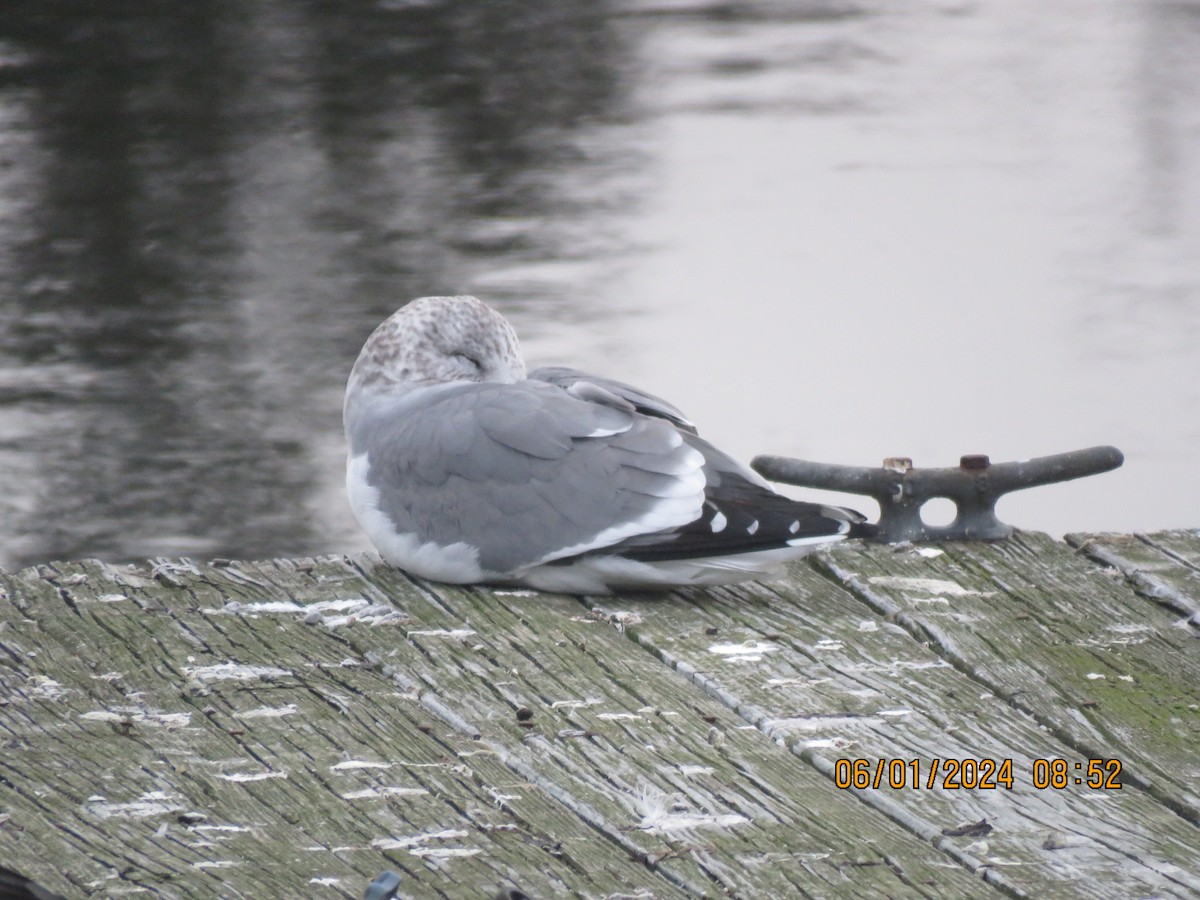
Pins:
x,y
464,468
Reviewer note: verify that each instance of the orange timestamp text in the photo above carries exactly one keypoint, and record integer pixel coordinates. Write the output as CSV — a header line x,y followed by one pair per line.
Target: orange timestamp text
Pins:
x,y
970,774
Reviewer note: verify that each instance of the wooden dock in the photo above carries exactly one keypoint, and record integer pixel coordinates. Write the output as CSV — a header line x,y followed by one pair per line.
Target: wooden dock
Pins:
x,y
293,728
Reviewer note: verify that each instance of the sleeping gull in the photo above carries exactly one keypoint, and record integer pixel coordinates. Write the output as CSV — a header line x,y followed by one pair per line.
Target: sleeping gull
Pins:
x,y
465,469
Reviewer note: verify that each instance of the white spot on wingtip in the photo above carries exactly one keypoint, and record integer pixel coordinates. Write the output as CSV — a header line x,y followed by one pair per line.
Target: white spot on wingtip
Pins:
x,y
753,528
718,523
794,527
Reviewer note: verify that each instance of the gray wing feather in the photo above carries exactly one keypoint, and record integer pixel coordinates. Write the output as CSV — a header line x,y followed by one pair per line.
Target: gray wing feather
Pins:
x,y
525,472
598,389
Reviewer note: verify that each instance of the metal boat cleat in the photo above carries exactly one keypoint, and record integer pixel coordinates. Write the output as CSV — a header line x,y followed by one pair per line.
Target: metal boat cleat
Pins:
x,y
974,487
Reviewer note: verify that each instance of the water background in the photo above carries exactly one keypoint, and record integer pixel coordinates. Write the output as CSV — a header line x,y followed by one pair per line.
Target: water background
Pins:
x,y
833,230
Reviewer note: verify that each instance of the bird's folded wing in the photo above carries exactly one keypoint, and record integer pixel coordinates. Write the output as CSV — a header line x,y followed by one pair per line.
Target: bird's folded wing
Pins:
x,y
526,473
612,392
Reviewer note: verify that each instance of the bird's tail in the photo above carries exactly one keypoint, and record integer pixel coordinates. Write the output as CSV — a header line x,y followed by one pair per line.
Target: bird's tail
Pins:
x,y
864,530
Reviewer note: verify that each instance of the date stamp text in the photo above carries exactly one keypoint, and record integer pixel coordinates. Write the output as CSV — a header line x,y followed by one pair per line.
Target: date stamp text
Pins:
x,y
983,774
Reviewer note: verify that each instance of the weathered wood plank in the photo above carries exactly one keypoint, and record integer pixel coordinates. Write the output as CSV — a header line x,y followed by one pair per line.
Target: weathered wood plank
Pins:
x,y
204,740
834,678
292,728
1165,567
261,754
1107,673
616,726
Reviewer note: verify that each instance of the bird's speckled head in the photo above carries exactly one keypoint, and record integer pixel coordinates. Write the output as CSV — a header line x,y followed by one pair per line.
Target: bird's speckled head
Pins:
x,y
438,340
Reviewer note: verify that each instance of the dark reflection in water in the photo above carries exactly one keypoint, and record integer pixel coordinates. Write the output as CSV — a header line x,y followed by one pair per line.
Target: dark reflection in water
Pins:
x,y
207,206
839,229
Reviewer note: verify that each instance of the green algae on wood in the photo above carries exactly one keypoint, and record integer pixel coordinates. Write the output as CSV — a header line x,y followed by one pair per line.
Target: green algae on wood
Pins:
x,y
295,727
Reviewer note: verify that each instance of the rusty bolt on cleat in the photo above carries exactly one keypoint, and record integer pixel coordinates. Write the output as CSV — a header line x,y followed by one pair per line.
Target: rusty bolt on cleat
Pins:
x,y
974,487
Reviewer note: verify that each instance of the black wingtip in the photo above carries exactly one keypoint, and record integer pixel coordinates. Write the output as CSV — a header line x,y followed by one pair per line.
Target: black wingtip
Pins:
x,y
864,530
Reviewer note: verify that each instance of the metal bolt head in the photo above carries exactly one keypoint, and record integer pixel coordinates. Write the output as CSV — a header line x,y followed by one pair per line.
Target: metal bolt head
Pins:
x,y
898,463
974,461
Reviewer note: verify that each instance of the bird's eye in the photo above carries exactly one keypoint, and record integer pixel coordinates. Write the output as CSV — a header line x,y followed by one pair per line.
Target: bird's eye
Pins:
x,y
468,364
